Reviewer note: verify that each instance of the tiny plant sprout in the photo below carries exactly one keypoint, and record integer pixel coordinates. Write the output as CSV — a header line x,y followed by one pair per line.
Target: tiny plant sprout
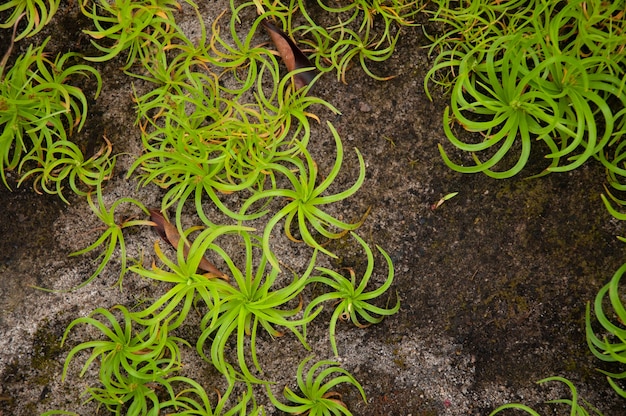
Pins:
x,y
442,200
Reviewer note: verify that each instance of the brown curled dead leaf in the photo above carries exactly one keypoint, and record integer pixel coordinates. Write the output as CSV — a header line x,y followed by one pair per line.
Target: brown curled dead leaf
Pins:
x,y
292,56
169,233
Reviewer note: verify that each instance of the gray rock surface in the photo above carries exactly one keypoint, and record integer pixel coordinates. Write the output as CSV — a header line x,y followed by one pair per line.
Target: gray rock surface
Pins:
x,y
493,283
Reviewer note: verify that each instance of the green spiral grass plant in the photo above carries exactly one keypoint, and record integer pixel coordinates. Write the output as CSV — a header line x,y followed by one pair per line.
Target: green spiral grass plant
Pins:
x,y
191,168
128,25
287,112
516,75
362,47
357,34
576,409
186,397
612,346
251,300
352,301
65,162
240,57
223,145
113,235
510,107
522,104
192,161
476,23
39,109
132,362
190,286
363,30
38,13
194,401
316,397
305,198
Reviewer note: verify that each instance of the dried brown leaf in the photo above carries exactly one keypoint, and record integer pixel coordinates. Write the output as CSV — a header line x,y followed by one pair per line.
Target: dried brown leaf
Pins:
x,y
292,56
169,233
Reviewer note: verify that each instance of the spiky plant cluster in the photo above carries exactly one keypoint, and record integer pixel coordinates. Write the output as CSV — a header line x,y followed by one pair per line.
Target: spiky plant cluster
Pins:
x,y
39,112
220,121
522,71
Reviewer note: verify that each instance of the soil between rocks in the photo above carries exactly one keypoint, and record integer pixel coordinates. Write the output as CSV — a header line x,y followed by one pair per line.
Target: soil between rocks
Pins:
x,y
493,283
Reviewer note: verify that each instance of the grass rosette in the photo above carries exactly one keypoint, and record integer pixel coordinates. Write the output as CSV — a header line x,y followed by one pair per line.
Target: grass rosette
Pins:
x,y
190,287
202,139
316,397
352,301
139,366
65,163
132,361
305,199
252,299
192,160
517,75
112,237
612,346
39,109
363,30
243,58
129,25
576,409
500,91
194,400
38,13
